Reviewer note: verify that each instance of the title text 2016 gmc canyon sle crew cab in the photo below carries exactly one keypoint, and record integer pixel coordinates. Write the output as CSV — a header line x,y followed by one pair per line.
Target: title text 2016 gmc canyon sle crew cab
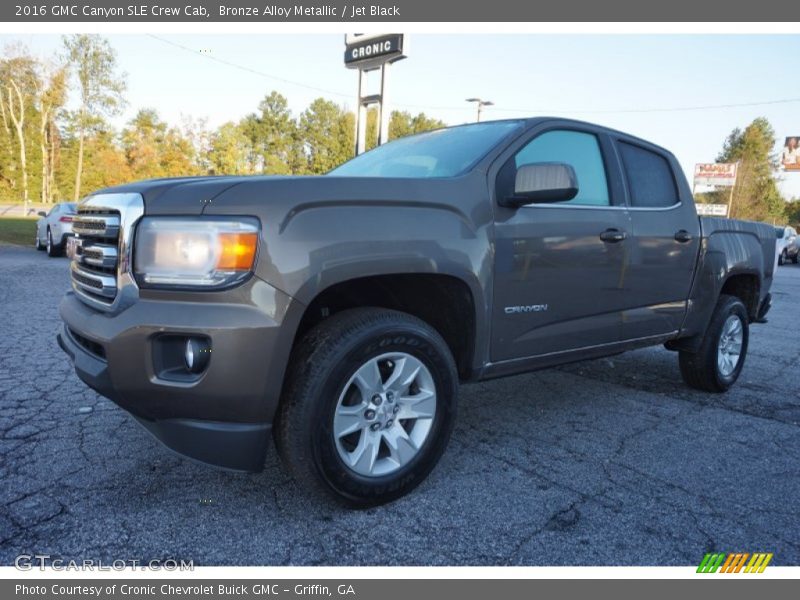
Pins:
x,y
341,312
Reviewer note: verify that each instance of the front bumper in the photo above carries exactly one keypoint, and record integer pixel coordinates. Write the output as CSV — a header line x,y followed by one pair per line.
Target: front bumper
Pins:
x,y
223,417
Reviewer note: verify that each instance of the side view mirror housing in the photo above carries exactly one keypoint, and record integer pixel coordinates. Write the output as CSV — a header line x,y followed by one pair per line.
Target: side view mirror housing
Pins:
x,y
41,213
543,182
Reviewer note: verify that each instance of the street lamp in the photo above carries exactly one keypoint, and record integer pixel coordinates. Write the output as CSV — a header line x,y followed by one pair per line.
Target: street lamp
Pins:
x,y
481,104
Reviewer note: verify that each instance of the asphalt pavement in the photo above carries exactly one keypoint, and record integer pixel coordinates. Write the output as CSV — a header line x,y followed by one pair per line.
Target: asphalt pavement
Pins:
x,y
613,461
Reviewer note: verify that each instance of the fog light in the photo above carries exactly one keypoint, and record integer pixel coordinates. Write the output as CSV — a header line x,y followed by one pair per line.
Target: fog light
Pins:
x,y
197,354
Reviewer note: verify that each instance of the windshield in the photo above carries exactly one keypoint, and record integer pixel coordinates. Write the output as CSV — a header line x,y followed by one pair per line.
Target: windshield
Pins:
x,y
70,207
440,153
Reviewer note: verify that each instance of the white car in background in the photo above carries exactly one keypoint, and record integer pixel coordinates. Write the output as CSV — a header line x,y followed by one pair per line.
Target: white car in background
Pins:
x,y
53,229
787,246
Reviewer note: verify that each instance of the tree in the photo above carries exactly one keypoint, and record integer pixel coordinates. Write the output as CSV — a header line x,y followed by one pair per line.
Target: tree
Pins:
x,y
403,124
196,133
755,196
105,163
272,132
50,96
153,149
17,91
16,111
326,130
229,151
94,62
792,212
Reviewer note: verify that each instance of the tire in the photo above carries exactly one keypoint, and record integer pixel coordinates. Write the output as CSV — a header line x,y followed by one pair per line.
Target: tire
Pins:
x,y
796,257
326,388
37,244
782,258
53,249
705,370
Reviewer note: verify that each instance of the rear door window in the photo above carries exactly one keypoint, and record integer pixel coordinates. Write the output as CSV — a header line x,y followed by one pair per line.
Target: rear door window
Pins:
x,y
650,180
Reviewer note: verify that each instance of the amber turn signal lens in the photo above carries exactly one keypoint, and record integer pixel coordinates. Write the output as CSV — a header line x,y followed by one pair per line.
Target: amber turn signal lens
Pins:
x,y
238,251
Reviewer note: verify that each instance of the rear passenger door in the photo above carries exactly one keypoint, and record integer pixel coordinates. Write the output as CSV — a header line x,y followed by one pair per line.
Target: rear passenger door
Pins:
x,y
665,240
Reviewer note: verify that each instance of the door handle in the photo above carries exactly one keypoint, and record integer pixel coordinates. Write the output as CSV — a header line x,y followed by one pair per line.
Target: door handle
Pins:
x,y
683,236
612,236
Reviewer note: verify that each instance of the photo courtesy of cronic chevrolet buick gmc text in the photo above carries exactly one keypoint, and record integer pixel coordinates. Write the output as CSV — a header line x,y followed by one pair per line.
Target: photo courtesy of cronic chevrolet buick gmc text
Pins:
x,y
339,313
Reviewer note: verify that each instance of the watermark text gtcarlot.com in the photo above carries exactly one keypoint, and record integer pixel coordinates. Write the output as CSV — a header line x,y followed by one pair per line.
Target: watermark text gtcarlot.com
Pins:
x,y
28,562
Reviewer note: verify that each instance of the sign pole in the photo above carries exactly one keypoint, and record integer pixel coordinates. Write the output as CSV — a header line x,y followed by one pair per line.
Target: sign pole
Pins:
x,y
366,53
361,115
385,115
733,187
730,202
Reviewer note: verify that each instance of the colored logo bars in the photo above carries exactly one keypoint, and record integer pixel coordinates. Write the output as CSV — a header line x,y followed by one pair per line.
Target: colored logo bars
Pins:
x,y
734,562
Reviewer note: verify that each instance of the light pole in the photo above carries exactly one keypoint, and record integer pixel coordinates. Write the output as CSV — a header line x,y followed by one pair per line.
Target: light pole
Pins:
x,y
481,104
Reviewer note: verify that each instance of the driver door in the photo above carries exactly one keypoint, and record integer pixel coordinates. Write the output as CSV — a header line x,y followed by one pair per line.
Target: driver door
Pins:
x,y
559,273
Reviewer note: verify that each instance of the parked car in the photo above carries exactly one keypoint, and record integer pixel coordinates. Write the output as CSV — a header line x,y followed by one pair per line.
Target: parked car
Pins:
x,y
787,246
54,227
340,313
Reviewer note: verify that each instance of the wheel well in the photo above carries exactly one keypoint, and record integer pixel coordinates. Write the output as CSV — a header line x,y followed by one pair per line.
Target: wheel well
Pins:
x,y
442,301
746,288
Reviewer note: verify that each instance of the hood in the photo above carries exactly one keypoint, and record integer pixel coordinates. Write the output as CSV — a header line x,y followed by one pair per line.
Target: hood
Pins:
x,y
195,195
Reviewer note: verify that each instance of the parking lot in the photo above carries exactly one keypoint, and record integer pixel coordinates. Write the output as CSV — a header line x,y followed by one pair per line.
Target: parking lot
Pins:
x,y
614,461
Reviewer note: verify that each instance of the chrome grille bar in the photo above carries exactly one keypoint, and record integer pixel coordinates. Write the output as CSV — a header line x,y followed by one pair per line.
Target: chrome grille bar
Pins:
x,y
94,283
96,225
98,255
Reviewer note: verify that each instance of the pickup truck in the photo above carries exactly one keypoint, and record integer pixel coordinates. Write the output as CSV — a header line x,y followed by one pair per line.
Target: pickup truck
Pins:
x,y
340,313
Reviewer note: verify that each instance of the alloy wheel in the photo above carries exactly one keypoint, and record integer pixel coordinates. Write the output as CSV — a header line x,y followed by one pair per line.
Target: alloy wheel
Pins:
x,y
729,347
384,414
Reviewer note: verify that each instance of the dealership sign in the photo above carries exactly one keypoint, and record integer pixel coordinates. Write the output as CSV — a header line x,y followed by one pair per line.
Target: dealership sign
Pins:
x,y
712,210
715,174
371,51
790,155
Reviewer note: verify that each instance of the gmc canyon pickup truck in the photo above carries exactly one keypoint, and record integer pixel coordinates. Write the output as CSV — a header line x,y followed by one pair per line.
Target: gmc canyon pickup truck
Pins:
x,y
339,313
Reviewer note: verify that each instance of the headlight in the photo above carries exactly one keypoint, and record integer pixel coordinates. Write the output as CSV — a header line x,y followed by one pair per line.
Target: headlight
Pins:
x,y
196,252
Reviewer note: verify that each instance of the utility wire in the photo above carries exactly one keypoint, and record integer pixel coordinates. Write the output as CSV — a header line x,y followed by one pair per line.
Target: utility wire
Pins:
x,y
664,109
528,111
249,69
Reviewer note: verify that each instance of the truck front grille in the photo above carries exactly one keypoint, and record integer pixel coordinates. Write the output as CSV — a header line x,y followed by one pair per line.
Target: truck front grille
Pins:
x,y
94,266
100,268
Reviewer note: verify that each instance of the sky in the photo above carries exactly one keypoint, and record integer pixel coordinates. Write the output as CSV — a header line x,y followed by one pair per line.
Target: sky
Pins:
x,y
613,80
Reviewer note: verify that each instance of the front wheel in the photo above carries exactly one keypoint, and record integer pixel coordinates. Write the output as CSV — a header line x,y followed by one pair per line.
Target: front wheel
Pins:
x,y
369,406
782,258
716,366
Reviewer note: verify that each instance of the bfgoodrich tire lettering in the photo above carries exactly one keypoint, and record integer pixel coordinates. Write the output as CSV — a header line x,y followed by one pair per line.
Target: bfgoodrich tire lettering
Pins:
x,y
323,365
704,369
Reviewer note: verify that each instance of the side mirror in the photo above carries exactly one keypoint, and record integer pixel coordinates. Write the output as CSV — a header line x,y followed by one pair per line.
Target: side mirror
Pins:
x,y
41,213
543,182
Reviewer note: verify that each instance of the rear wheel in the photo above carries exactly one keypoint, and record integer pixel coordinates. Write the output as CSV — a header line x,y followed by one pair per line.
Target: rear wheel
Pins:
x,y
369,406
38,243
53,249
796,257
716,366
